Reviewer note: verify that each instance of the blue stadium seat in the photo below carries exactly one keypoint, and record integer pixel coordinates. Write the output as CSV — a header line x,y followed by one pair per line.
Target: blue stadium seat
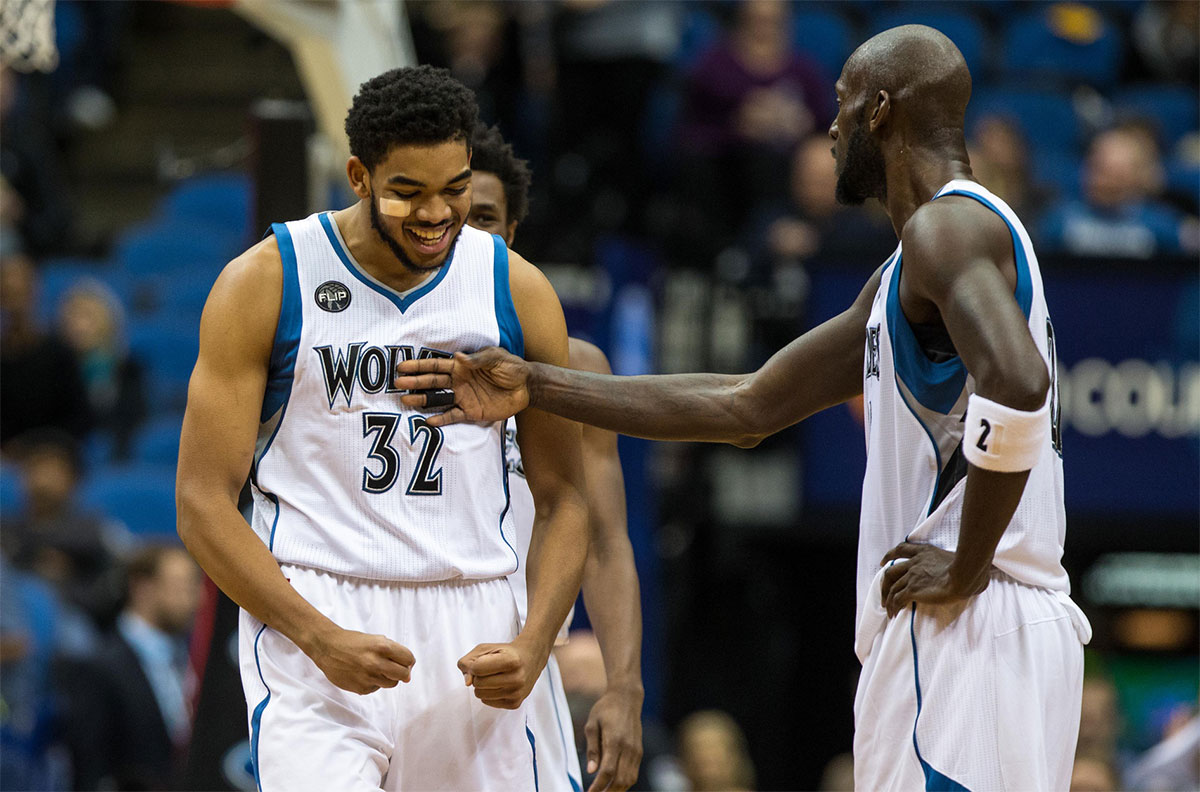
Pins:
x,y
1065,42
58,275
1183,178
168,349
1061,171
700,31
825,36
221,200
11,497
158,442
1173,109
1047,118
159,248
184,294
141,496
961,27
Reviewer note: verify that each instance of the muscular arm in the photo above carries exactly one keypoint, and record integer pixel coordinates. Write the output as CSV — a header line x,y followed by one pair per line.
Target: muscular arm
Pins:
x,y
821,368
613,600
958,266
550,451
216,448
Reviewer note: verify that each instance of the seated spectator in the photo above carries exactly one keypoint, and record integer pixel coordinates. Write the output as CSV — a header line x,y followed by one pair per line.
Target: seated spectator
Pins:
x,y
1174,763
1119,216
1000,161
1094,775
713,753
90,321
40,383
54,538
128,711
748,101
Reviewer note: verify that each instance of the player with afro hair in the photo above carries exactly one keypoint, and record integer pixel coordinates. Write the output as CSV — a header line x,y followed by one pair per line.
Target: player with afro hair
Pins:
x,y
414,105
491,154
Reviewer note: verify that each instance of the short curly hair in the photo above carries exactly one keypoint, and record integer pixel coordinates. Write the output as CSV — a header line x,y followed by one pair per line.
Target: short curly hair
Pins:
x,y
490,153
414,105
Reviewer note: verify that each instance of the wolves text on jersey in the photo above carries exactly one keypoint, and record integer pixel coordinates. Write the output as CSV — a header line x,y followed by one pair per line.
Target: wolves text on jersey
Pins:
x,y
367,367
872,352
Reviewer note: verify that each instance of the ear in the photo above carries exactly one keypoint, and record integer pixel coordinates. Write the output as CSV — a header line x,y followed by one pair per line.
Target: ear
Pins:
x,y
359,177
882,111
510,233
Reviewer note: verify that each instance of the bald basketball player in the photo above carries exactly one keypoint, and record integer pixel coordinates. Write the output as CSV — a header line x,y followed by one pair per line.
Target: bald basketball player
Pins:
x,y
972,650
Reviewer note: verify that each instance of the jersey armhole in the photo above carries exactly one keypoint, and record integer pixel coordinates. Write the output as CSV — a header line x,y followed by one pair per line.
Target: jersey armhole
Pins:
x,y
286,343
511,336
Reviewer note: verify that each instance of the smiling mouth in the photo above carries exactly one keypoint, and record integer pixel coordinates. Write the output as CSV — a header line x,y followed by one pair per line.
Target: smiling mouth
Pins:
x,y
429,241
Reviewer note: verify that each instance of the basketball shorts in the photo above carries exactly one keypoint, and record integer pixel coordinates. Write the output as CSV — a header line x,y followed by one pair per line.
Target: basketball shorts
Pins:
x,y
428,734
980,695
550,721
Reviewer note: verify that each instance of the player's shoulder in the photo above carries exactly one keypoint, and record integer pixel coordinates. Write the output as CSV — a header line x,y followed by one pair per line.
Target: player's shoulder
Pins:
x,y
527,281
586,356
952,228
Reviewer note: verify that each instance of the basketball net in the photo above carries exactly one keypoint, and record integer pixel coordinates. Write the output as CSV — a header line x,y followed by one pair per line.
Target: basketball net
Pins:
x,y
27,35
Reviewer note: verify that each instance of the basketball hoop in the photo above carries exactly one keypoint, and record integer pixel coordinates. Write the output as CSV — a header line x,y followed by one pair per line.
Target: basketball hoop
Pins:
x,y
27,35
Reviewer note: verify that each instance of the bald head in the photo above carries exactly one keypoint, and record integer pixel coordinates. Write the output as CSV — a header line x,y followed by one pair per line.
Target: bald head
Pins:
x,y
922,72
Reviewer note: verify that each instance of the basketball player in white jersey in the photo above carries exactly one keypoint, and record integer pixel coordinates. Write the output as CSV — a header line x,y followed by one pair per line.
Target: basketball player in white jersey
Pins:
x,y
499,202
972,650
380,544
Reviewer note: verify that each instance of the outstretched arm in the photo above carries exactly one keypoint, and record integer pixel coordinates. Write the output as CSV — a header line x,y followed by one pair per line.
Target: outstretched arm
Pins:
x,y
819,369
958,266
613,600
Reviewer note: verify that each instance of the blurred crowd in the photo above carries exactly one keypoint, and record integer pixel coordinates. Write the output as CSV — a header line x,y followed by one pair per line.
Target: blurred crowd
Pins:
x,y
698,129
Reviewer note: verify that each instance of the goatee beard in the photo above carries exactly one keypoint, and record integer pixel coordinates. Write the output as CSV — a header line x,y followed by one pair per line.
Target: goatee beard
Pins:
x,y
394,245
862,174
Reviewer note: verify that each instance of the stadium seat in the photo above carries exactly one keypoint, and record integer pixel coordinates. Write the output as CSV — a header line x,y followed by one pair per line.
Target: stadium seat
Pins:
x,y
11,497
1046,118
825,36
221,200
1057,170
158,442
1173,109
699,32
168,349
1065,42
159,248
964,29
58,275
140,496
183,296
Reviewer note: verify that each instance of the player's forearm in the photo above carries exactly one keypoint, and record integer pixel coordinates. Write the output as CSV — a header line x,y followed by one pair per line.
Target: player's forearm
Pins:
x,y
990,500
554,567
239,563
613,599
702,407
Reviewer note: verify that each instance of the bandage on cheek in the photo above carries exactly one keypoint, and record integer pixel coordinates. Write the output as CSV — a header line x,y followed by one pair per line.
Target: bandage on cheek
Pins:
x,y
394,207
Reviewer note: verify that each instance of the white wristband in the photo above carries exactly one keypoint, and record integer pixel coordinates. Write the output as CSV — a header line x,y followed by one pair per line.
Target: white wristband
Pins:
x,y
1000,438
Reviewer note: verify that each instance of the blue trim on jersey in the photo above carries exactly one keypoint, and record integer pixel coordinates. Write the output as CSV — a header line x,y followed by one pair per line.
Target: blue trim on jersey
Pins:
x,y
507,494
403,303
282,369
934,781
256,718
532,750
511,336
1023,293
576,786
936,386
274,523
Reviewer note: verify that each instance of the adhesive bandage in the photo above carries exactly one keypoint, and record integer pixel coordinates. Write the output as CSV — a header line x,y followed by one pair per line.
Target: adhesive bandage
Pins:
x,y
394,207
1000,438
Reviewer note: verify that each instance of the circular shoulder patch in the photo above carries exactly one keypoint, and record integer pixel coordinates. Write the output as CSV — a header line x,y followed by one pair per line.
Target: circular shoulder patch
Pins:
x,y
332,296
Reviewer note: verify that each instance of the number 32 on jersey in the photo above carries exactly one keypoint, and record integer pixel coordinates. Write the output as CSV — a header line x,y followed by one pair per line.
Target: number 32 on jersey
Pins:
x,y
426,477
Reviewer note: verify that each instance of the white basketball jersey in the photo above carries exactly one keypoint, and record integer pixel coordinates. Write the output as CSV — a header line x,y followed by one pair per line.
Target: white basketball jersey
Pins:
x,y
348,480
913,411
523,513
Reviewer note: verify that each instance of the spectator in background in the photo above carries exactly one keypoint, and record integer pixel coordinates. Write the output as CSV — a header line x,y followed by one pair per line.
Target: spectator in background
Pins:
x,y
749,100
40,383
1099,724
713,753
1172,764
56,539
1119,215
1000,161
128,708
91,321
1094,775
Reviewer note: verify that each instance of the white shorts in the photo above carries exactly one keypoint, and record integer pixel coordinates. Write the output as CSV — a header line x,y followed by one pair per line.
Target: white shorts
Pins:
x,y
550,721
428,734
979,695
